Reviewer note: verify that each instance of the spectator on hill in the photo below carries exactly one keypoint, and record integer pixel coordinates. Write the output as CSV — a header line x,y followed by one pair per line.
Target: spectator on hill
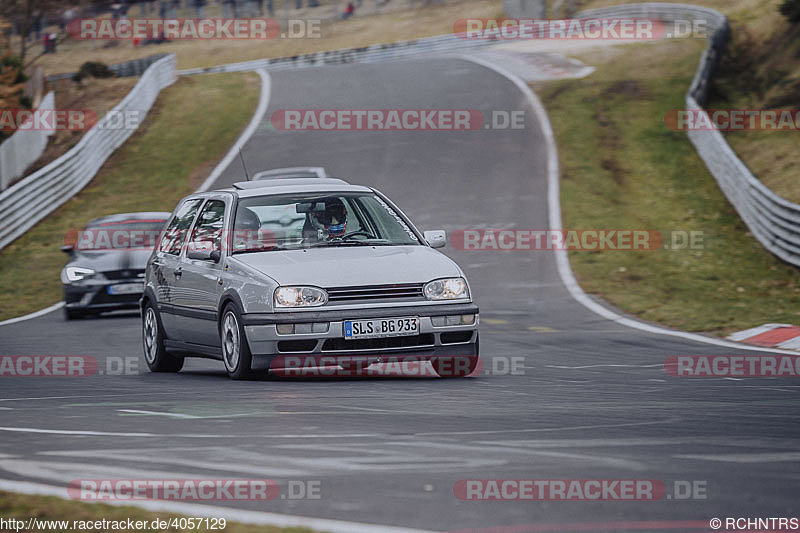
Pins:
x,y
38,24
349,11
66,18
49,41
229,9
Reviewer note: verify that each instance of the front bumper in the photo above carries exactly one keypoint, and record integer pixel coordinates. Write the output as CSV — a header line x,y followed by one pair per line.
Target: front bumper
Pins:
x,y
96,296
324,340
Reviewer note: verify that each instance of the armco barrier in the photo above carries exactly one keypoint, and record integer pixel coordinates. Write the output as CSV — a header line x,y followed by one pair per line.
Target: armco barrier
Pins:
x,y
22,149
774,221
34,197
364,54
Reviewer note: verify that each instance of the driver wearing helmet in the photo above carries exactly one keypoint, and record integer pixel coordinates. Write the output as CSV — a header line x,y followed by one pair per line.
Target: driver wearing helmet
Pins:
x,y
333,219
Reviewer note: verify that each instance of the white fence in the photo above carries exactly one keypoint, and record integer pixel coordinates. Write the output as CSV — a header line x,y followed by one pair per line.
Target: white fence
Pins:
x,y
19,151
31,199
774,221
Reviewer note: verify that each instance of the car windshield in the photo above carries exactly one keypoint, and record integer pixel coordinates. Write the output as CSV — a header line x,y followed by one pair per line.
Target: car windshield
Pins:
x,y
119,235
281,222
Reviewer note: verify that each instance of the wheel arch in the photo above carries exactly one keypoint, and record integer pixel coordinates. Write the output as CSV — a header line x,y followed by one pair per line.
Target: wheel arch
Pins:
x,y
147,296
229,297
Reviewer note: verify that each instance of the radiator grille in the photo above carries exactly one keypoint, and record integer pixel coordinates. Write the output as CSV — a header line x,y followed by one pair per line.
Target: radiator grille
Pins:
x,y
375,292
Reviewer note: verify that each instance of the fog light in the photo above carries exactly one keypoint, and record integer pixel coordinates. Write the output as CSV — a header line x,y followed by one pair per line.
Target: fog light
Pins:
x,y
454,320
285,329
438,321
467,320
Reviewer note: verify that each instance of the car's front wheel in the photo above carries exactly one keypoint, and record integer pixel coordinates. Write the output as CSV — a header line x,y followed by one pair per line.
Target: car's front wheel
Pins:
x,y
155,354
235,350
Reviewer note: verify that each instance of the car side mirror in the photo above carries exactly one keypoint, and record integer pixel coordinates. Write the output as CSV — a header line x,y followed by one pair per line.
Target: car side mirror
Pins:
x,y
436,238
68,249
204,255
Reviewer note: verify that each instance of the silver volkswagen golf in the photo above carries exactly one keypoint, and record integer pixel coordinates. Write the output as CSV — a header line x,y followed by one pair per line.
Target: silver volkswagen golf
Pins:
x,y
303,273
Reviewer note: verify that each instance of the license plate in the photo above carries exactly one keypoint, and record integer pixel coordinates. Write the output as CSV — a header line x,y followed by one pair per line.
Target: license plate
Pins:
x,y
126,288
381,327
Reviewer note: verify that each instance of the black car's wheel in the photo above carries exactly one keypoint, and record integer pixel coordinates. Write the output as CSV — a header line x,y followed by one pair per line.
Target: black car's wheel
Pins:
x,y
235,350
155,354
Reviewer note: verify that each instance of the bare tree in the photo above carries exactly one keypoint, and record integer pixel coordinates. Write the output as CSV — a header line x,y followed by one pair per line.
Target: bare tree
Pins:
x,y
26,15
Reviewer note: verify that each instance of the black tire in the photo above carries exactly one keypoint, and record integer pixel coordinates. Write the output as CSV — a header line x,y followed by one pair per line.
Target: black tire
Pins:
x,y
155,354
236,355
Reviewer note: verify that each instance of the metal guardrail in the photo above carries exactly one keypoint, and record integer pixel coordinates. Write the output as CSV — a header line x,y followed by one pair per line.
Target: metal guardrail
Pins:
x,y
774,221
24,147
34,197
365,54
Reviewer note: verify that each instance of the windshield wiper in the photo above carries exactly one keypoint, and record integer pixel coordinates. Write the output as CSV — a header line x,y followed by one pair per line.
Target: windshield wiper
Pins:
x,y
366,242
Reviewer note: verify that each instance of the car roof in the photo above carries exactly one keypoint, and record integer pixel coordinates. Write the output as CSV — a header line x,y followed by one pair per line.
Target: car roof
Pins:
x,y
246,189
291,172
124,217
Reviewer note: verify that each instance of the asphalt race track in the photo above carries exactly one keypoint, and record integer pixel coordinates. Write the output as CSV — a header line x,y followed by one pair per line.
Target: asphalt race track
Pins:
x,y
591,399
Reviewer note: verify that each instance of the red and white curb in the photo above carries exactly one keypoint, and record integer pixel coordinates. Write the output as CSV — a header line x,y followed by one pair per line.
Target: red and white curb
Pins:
x,y
784,336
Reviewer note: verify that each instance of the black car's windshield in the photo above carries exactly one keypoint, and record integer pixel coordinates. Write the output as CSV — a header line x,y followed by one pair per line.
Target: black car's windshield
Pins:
x,y
281,222
118,235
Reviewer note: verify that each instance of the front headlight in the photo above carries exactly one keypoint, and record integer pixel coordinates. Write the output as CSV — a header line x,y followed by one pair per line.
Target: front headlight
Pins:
x,y
73,274
300,297
446,289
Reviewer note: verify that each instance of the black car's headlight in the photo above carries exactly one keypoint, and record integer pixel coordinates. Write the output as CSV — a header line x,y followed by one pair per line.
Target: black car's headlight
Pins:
x,y
72,274
300,297
446,289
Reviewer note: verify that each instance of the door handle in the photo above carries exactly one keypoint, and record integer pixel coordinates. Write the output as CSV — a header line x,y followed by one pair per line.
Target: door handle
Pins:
x,y
178,272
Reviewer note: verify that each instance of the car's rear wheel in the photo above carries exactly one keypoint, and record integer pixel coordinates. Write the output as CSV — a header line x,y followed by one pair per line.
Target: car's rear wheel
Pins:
x,y
155,354
235,350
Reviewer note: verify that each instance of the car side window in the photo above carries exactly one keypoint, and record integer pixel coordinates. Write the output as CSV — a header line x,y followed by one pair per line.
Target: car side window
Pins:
x,y
353,216
175,233
208,228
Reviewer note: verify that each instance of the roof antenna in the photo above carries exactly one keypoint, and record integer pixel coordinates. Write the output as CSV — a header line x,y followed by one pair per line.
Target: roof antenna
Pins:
x,y
246,175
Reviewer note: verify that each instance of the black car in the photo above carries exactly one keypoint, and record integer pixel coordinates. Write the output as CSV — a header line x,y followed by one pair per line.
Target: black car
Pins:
x,y
106,263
